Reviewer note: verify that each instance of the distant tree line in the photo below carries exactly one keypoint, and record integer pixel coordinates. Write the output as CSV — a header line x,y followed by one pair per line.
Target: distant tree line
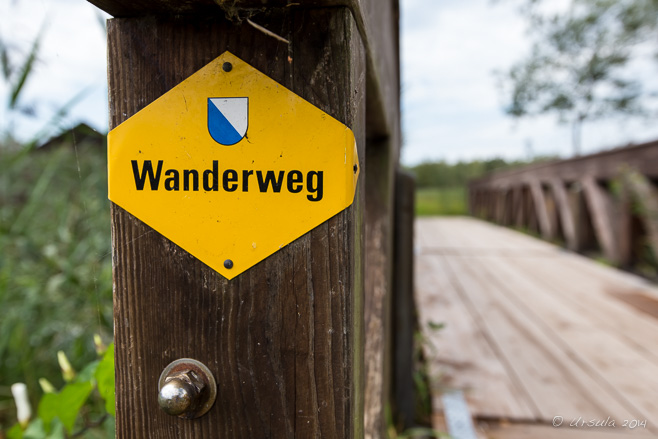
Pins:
x,y
442,174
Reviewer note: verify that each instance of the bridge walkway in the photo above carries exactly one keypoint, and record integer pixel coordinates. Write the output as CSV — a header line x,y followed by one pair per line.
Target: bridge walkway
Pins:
x,y
535,334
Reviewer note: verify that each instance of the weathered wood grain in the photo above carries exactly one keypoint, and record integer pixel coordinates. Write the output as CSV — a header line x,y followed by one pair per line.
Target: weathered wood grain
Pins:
x,y
285,338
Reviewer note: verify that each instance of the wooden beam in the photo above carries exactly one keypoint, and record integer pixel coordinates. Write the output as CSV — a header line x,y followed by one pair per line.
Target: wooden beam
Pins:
x,y
518,206
565,213
378,278
404,310
539,200
625,227
499,206
600,211
603,166
285,338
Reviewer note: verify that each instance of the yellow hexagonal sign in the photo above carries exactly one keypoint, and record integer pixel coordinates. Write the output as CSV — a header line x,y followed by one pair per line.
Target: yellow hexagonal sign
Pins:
x,y
232,166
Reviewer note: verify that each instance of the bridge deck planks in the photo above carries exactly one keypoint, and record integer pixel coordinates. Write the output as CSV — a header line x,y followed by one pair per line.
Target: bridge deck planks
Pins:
x,y
533,332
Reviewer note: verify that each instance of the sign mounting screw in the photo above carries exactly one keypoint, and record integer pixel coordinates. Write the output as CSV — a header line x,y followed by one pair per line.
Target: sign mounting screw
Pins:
x,y
228,264
227,66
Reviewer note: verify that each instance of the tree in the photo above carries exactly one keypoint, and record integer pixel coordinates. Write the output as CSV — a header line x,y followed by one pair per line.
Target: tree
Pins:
x,y
578,66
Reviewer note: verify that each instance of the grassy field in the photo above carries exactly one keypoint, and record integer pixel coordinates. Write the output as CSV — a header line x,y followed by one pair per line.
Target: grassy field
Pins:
x,y
441,201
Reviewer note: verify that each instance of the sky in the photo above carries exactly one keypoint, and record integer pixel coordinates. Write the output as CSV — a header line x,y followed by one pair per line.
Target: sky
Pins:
x,y
450,49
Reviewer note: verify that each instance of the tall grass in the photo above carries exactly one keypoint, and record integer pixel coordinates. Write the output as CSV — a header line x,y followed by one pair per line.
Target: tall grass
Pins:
x,y
55,262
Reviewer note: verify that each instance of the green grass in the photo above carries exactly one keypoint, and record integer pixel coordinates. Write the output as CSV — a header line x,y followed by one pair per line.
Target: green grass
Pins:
x,y
441,201
55,263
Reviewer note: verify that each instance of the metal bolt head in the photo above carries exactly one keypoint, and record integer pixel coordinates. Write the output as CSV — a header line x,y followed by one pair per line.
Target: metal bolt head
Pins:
x,y
176,397
186,389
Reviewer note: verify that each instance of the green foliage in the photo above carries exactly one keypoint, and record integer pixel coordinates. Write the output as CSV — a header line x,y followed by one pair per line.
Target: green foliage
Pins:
x,y
578,66
425,383
105,379
444,174
441,201
409,433
55,265
18,76
75,411
441,186
64,405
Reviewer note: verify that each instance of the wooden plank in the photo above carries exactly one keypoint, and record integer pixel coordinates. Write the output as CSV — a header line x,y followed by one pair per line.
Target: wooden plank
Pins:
x,y
284,339
567,339
465,235
462,353
595,297
404,312
600,211
525,431
537,363
564,210
598,355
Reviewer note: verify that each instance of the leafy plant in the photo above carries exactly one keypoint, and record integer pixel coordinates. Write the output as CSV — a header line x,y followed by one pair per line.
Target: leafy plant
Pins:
x,y
55,264
84,407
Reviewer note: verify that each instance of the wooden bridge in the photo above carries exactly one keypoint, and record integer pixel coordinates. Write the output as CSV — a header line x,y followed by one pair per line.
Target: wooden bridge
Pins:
x,y
602,202
535,334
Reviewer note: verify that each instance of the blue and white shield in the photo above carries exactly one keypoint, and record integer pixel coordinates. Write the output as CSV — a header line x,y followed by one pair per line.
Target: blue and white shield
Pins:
x,y
228,119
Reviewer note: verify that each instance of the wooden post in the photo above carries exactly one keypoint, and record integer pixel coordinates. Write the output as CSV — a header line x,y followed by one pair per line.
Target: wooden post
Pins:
x,y
564,211
625,226
519,206
501,204
539,200
646,198
284,339
404,316
378,278
600,210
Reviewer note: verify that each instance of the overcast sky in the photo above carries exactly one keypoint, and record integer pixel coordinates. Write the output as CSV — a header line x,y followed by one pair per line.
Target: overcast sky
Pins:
x,y
451,107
